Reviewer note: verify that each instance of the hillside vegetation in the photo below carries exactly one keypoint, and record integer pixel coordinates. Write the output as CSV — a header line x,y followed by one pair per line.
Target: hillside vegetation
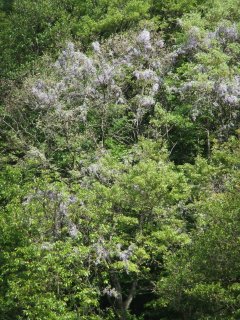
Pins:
x,y
120,160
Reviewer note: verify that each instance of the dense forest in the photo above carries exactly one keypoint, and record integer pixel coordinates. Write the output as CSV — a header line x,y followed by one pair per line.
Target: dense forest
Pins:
x,y
120,159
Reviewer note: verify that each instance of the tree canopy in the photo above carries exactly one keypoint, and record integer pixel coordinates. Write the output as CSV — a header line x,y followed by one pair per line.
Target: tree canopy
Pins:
x,y
119,154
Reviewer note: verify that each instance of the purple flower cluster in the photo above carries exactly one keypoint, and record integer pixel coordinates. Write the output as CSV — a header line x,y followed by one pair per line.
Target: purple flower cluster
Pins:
x,y
144,37
227,33
96,46
101,252
81,84
45,96
111,292
124,255
146,101
229,91
62,214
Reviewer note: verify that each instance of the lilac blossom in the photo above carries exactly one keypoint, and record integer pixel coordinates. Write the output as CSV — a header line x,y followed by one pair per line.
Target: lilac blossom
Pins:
x,y
208,39
221,89
87,65
229,91
136,52
70,47
146,101
73,231
81,84
101,253
96,46
231,99
40,195
147,74
144,37
155,88
227,32
111,292
160,44
72,199
63,209
94,169
125,254
193,39
45,96
106,76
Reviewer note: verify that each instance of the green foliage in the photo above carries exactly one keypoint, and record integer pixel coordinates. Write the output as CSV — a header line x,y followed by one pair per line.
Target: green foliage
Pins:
x,y
35,27
119,160
108,17
203,280
167,13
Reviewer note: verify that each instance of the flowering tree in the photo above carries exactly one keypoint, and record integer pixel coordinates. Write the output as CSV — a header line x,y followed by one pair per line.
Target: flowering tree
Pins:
x,y
95,100
94,212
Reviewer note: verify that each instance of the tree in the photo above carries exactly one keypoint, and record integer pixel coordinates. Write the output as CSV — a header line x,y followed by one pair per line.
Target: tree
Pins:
x,y
203,277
